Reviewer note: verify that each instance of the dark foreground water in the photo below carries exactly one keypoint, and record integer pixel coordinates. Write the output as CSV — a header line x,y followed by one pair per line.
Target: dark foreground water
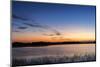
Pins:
x,y
53,54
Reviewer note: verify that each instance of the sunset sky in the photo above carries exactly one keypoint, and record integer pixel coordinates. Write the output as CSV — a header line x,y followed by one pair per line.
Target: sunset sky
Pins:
x,y
33,22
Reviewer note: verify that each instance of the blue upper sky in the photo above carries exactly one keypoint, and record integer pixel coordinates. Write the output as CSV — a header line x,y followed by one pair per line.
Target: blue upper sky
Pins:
x,y
61,17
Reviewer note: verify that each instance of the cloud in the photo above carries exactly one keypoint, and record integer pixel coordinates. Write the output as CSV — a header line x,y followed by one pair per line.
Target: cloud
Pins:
x,y
20,18
48,34
56,32
53,30
36,25
22,27
61,38
16,31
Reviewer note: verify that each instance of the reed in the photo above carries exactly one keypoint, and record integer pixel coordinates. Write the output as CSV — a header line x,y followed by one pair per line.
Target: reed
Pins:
x,y
52,60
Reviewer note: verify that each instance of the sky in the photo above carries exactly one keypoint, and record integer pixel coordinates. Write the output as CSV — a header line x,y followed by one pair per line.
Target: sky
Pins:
x,y
34,21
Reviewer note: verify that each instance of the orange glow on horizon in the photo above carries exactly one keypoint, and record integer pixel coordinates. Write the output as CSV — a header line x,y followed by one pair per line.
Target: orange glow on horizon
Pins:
x,y
60,38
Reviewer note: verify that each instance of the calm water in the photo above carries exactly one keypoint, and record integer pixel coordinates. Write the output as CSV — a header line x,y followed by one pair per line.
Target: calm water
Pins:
x,y
54,50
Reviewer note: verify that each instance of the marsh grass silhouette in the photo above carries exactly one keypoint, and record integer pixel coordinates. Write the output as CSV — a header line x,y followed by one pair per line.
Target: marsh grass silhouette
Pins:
x,y
52,60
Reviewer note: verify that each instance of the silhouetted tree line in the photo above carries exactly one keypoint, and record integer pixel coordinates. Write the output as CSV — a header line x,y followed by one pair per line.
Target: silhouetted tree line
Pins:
x,y
36,44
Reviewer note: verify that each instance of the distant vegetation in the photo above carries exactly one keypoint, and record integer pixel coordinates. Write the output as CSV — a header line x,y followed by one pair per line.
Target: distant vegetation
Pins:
x,y
36,44
52,60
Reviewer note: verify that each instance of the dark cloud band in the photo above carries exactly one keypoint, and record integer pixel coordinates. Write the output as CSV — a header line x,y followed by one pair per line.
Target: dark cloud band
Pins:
x,y
35,25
